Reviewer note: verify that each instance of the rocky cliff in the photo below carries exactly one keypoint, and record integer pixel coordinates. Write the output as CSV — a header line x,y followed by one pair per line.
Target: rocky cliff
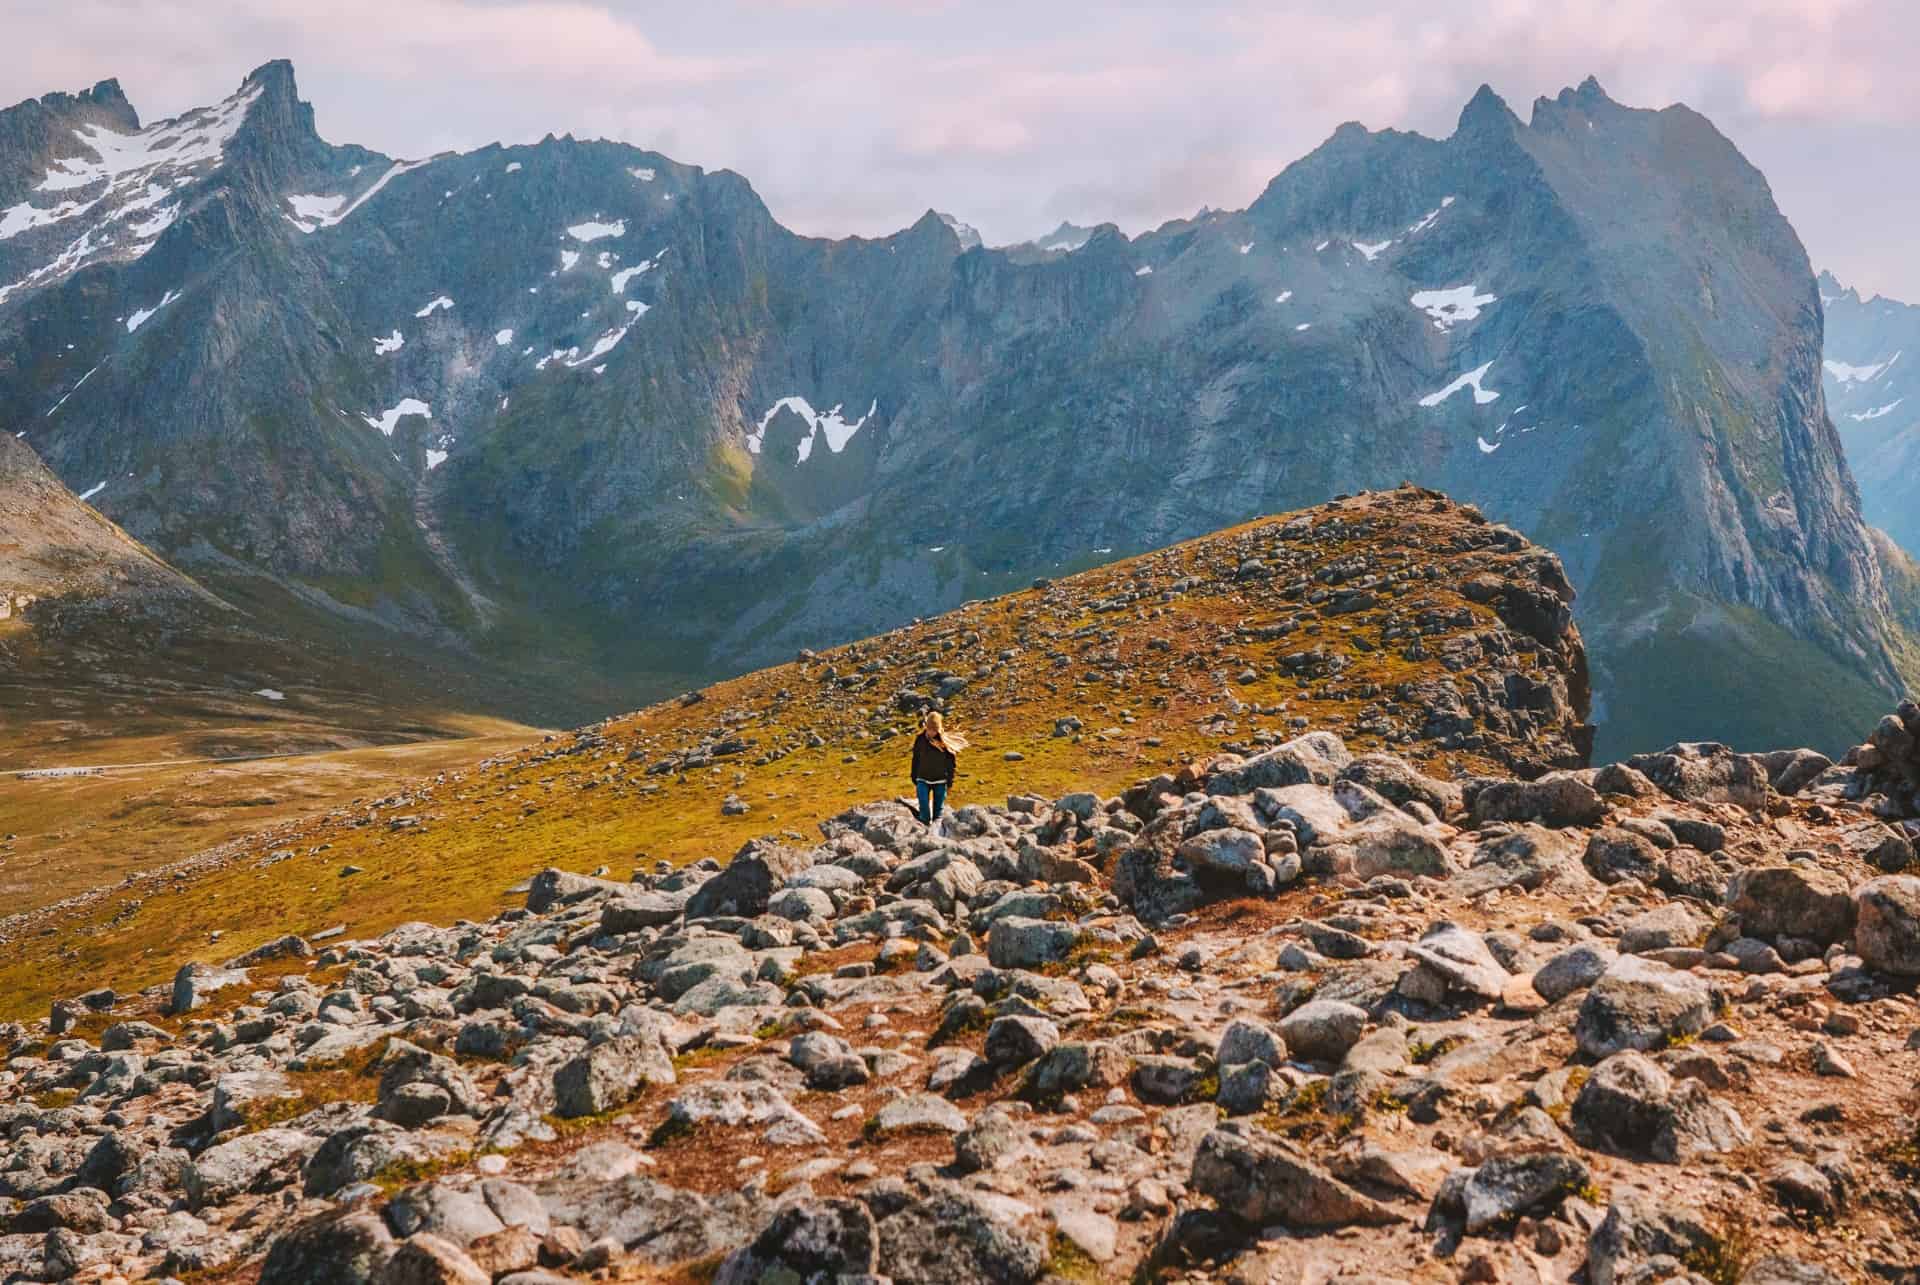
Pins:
x,y
1870,346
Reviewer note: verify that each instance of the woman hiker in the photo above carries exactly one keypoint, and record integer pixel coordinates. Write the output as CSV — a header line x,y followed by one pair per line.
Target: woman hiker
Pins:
x,y
935,756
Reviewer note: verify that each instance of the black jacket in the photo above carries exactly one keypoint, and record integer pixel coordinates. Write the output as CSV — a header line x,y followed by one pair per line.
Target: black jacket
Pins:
x,y
930,762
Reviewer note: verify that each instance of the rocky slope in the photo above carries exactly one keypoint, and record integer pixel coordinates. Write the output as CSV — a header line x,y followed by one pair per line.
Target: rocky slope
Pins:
x,y
1290,1014
523,398
1869,348
1399,619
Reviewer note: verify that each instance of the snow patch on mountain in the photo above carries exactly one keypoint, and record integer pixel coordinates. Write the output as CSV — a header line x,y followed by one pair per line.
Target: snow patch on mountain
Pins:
x,y
503,337
140,317
1850,374
389,419
833,426
329,220
434,305
1877,412
1472,379
593,230
199,137
642,172
967,234
1451,306
311,211
93,490
435,459
1370,250
1426,220
392,343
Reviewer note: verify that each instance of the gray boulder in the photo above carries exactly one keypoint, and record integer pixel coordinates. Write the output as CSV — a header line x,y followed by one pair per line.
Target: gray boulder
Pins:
x,y
1017,1040
349,1248
952,1236
1262,1180
1637,1228
1631,1106
1556,800
1573,969
1461,960
1800,900
1640,1004
1520,1182
254,1162
1706,772
195,983
1887,924
1661,928
1016,942
1316,758
1322,1030
819,1240
610,1075
757,870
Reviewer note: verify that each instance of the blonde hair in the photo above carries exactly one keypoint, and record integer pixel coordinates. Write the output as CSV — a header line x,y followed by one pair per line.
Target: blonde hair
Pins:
x,y
935,729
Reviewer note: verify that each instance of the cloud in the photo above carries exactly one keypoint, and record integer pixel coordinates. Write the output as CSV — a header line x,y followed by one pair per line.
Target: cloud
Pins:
x,y
856,115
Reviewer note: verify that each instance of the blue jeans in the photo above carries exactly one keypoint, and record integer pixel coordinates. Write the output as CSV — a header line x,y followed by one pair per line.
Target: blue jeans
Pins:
x,y
933,798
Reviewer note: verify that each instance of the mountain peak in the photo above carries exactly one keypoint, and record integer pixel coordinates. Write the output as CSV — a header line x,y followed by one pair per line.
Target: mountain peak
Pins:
x,y
1486,110
274,76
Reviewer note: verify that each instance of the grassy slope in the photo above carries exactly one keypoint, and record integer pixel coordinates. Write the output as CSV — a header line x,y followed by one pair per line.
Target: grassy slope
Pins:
x,y
66,834
1663,679
1165,665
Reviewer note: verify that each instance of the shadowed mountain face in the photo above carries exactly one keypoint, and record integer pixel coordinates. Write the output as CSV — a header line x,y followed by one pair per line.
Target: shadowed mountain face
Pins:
x,y
577,400
1872,354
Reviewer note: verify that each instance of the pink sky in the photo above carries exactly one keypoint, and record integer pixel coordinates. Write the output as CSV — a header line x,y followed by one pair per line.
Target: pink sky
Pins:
x,y
856,116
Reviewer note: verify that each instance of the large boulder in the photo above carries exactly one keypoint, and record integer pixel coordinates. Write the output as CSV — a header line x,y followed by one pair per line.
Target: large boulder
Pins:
x,y
1641,1004
1631,1106
818,1240
757,870
1316,758
194,984
1460,961
1519,1181
1614,854
341,1248
553,887
1639,1227
1800,900
1399,782
1018,942
610,1075
1573,969
953,1236
1322,1030
1556,800
253,1162
1887,924
1706,772
1263,1180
